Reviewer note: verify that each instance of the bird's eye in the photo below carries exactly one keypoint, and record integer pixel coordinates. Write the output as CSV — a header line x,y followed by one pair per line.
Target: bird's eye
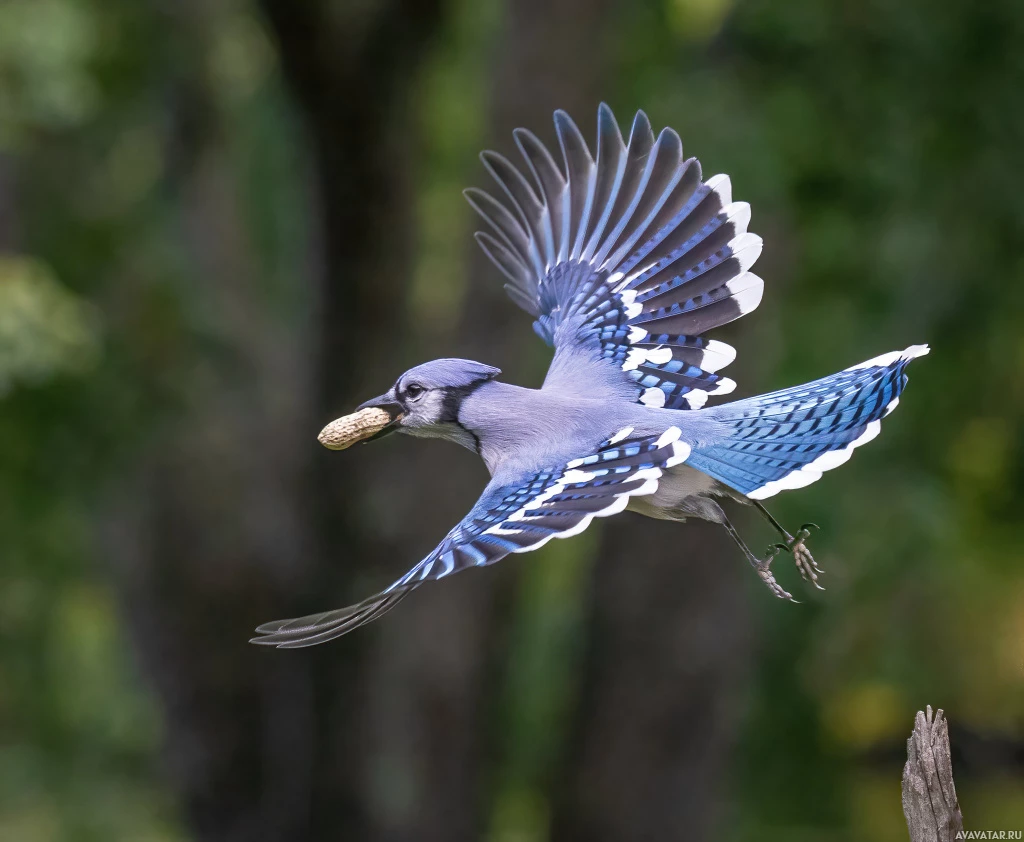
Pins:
x,y
413,391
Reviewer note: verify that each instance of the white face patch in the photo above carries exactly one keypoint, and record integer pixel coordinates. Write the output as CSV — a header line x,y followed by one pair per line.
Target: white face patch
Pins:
x,y
426,411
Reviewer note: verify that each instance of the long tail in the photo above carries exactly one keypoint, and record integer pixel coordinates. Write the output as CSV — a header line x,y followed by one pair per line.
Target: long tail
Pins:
x,y
786,439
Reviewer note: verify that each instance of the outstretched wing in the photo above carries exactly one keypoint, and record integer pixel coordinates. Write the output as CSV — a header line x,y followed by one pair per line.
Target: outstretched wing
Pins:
x,y
510,518
631,256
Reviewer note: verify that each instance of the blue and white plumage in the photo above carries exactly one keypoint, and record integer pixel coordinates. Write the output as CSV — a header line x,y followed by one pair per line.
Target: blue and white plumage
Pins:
x,y
625,259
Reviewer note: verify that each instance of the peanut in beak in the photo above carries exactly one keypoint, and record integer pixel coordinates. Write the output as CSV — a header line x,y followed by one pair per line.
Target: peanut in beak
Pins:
x,y
346,431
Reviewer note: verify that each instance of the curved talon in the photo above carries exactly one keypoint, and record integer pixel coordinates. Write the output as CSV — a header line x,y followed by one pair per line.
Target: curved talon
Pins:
x,y
794,544
805,563
764,571
775,587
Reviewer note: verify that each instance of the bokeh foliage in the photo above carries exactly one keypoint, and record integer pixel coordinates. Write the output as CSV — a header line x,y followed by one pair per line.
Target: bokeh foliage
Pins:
x,y
879,144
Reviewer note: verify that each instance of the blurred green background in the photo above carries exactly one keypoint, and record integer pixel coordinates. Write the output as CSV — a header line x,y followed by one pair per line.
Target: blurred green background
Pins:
x,y
223,223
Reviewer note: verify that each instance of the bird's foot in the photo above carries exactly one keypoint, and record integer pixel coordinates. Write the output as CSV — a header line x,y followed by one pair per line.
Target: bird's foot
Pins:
x,y
802,557
763,567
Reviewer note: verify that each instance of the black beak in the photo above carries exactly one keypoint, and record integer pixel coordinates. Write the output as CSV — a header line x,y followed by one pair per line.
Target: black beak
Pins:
x,y
386,401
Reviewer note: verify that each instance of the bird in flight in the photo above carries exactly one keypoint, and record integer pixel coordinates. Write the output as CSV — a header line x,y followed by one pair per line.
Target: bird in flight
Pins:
x,y
625,258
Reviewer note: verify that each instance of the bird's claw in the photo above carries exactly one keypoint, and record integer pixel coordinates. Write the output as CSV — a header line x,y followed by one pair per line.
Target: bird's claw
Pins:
x,y
802,557
806,564
763,566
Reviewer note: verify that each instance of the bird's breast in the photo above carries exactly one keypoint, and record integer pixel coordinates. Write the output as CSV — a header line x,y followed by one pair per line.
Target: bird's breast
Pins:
x,y
682,492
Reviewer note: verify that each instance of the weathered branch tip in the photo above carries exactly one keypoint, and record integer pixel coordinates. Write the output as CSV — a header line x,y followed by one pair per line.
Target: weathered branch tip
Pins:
x,y
929,797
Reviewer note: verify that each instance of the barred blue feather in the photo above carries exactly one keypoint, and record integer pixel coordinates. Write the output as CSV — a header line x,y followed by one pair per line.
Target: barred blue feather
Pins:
x,y
785,439
631,255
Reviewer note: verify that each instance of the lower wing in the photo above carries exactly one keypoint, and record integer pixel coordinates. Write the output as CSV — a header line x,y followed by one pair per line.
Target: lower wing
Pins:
x,y
510,518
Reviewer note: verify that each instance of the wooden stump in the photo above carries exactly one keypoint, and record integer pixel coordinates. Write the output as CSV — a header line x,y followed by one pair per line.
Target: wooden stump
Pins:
x,y
929,797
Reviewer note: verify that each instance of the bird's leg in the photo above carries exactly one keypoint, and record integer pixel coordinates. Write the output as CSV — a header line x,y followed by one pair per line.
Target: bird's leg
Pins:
x,y
763,566
805,562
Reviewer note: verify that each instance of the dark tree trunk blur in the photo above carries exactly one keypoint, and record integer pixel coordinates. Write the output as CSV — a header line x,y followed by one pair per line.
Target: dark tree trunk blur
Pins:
x,y
8,223
238,517
657,718
400,698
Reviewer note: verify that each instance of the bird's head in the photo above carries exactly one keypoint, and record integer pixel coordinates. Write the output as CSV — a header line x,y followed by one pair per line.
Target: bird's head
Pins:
x,y
424,401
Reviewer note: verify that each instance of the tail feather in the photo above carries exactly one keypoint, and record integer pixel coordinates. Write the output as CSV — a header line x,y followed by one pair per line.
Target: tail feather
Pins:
x,y
786,439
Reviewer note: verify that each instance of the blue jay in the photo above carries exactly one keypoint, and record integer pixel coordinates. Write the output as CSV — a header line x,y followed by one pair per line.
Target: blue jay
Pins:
x,y
625,260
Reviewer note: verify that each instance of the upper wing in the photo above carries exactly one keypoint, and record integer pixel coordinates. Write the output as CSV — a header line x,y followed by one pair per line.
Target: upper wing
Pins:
x,y
510,518
631,255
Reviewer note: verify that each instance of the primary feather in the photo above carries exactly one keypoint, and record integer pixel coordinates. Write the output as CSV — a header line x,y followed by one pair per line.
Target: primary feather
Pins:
x,y
629,257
